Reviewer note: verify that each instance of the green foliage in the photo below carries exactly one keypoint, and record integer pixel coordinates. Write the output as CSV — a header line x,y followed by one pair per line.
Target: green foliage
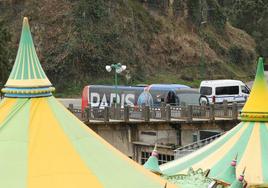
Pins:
x,y
194,11
248,12
105,32
158,4
262,38
251,16
214,44
206,10
216,15
5,38
75,43
91,10
178,8
262,48
239,55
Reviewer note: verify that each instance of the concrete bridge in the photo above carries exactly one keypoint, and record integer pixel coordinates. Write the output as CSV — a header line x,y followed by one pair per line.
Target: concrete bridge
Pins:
x,y
134,131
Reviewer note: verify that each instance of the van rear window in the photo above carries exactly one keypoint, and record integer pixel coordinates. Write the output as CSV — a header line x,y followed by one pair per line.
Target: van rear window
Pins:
x,y
206,91
229,90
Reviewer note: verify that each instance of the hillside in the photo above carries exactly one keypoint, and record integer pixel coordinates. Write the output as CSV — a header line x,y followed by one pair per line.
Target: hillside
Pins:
x,y
159,41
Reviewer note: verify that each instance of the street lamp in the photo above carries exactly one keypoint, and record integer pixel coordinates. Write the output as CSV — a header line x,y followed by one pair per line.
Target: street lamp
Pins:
x,y
118,68
203,22
202,60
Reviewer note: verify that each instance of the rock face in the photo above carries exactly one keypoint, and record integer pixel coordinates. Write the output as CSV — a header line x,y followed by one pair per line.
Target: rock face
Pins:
x,y
76,39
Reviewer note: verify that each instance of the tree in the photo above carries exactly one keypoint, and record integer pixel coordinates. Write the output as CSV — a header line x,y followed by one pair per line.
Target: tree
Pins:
x,y
251,16
5,38
248,13
194,11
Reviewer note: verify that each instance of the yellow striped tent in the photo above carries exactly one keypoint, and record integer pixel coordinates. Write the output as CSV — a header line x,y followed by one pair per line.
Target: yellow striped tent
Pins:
x,y
248,140
42,145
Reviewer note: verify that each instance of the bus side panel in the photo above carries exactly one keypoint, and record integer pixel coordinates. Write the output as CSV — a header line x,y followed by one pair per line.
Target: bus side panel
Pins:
x,y
85,98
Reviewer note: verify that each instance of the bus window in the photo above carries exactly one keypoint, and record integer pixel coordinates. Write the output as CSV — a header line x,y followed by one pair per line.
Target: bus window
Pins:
x,y
145,98
171,98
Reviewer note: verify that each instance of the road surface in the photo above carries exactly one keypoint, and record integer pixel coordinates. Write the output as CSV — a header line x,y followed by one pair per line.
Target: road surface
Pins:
x,y
67,101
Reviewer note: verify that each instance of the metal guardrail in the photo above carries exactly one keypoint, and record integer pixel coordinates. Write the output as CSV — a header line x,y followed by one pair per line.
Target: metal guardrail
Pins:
x,y
187,149
162,113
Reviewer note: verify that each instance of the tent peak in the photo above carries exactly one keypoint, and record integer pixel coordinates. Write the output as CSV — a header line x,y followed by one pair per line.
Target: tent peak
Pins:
x,y
155,152
228,175
255,108
233,163
239,183
152,162
241,177
25,21
27,78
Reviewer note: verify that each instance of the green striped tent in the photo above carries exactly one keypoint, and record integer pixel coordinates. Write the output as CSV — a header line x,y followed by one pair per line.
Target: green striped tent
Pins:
x,y
249,139
239,183
27,70
42,145
152,163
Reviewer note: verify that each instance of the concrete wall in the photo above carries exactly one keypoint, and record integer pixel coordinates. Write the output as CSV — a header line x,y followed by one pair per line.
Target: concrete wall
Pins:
x,y
162,134
118,136
190,129
133,138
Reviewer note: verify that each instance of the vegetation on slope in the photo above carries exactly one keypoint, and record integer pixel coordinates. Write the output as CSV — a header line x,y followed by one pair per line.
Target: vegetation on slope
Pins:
x,y
251,16
157,40
4,52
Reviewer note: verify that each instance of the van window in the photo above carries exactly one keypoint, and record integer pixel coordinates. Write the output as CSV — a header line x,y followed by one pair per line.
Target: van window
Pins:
x,y
229,90
244,89
206,91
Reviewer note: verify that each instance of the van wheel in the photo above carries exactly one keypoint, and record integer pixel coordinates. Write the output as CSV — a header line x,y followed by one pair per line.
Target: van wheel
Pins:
x,y
203,100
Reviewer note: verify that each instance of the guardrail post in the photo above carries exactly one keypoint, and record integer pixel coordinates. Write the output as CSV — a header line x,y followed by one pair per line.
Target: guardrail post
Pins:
x,y
83,113
126,113
142,109
106,114
117,112
189,113
71,107
113,111
234,110
202,111
225,108
212,112
168,112
146,113
162,110
87,112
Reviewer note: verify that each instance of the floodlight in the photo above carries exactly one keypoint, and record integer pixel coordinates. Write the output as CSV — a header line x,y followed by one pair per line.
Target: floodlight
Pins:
x,y
118,70
123,67
108,68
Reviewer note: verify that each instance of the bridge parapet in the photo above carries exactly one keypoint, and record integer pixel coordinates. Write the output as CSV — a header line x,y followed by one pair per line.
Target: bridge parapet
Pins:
x,y
164,112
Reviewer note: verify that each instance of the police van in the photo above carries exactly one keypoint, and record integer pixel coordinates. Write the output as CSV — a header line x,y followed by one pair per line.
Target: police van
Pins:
x,y
216,91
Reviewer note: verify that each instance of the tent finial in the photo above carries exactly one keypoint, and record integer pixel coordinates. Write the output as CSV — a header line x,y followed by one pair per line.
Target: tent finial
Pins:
x,y
228,175
255,108
152,163
27,78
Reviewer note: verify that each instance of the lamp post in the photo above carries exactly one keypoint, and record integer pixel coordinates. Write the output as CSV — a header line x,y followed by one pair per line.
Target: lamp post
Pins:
x,y
202,60
203,22
118,68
